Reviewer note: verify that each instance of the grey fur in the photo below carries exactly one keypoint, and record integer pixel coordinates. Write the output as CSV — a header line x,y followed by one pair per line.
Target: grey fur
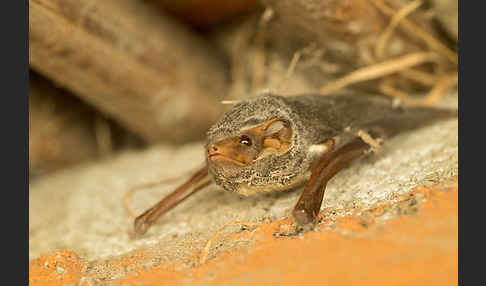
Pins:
x,y
314,119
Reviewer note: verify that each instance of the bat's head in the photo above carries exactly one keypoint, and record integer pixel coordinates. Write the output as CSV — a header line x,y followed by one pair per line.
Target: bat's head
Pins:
x,y
256,147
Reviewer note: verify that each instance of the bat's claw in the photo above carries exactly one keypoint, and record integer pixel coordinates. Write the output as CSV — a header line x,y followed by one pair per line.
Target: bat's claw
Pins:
x,y
141,226
303,218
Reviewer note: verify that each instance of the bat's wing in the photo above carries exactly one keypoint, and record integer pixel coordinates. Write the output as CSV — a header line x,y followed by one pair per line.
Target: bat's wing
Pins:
x,y
406,119
330,116
350,126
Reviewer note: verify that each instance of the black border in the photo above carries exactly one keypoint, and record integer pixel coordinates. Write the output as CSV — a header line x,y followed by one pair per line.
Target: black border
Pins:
x,y
471,98
14,28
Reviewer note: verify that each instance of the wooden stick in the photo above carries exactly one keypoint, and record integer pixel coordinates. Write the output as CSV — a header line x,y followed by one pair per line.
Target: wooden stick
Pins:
x,y
439,90
135,65
422,77
379,70
396,19
60,128
414,30
386,87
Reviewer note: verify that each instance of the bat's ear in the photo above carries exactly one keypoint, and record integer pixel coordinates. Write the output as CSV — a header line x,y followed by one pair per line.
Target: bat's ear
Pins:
x,y
275,127
278,128
277,135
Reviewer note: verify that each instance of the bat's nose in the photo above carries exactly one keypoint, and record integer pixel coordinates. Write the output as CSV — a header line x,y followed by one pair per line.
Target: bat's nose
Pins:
x,y
212,149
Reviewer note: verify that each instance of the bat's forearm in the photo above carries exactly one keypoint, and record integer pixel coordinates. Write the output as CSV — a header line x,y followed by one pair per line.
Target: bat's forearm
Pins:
x,y
198,181
309,204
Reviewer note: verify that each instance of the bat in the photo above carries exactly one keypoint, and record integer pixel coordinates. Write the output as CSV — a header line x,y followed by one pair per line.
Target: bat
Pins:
x,y
272,143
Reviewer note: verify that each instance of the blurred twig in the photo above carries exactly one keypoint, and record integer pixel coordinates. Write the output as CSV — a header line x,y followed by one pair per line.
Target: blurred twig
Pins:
x,y
379,70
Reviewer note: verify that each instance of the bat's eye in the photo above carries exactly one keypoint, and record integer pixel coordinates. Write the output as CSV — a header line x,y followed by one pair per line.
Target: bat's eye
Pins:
x,y
245,140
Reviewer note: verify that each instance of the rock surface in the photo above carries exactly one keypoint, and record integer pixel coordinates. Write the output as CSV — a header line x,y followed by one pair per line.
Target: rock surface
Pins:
x,y
81,209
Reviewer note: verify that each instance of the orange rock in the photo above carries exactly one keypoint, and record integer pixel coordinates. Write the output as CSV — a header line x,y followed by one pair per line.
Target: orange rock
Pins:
x,y
418,246
59,268
420,249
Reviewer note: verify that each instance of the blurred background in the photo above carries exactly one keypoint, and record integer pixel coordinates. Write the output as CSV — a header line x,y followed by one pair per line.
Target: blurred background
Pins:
x,y
114,75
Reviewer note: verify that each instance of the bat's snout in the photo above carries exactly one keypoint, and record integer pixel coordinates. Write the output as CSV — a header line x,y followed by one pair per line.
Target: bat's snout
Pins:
x,y
212,150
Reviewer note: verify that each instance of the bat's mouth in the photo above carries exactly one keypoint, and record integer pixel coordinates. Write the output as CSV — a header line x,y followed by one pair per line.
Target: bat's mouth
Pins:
x,y
220,158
